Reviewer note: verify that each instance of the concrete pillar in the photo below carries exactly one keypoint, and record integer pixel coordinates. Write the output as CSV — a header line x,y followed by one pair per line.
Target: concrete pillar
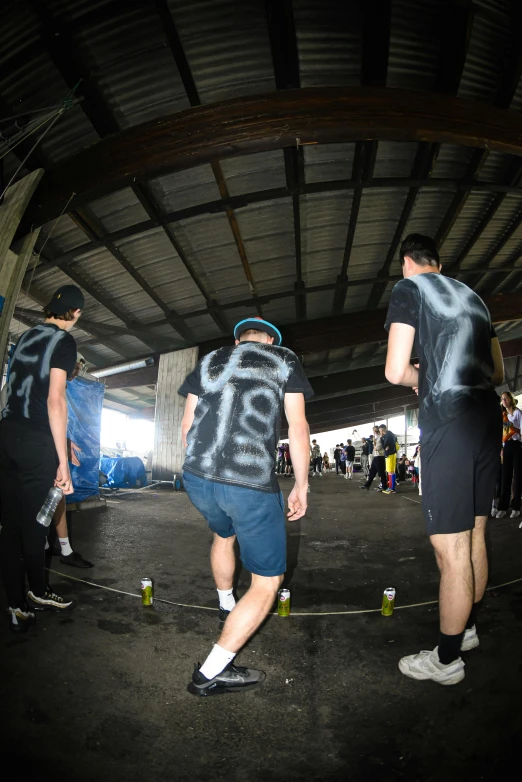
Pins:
x,y
13,265
168,448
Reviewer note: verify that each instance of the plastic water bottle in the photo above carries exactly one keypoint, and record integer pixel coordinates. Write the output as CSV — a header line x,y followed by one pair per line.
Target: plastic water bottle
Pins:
x,y
48,508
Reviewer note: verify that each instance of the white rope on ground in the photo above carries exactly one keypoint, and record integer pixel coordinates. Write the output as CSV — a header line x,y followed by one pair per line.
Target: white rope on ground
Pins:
x,y
410,499
298,613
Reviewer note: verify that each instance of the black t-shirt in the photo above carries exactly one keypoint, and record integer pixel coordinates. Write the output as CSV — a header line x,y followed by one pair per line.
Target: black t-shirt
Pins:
x,y
237,421
365,450
389,443
453,343
39,350
350,453
337,454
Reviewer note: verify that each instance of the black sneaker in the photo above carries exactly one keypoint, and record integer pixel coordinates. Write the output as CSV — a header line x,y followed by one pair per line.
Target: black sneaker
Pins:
x,y
20,620
364,486
223,613
232,679
50,601
76,560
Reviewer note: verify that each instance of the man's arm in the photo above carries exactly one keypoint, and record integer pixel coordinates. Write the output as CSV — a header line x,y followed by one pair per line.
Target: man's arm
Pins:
x,y
188,416
497,377
398,369
57,410
299,441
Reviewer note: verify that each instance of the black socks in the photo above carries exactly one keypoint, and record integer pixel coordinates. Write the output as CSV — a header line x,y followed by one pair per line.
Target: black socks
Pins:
x,y
449,647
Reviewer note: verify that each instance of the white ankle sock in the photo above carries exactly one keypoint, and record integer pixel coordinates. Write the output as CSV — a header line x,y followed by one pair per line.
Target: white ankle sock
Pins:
x,y
65,546
218,659
226,599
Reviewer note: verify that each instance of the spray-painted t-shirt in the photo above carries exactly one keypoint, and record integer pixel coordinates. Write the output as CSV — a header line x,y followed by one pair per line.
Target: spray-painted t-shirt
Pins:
x,y
453,343
237,421
39,350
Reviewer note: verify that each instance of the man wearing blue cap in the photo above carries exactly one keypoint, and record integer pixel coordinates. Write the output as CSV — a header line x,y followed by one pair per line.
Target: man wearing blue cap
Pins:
x,y
231,425
33,453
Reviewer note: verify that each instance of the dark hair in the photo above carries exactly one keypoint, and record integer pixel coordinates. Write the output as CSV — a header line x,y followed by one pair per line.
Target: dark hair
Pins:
x,y
421,249
252,332
69,315
383,426
349,442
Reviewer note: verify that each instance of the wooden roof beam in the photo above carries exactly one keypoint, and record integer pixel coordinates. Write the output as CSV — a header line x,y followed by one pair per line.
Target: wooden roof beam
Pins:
x,y
273,121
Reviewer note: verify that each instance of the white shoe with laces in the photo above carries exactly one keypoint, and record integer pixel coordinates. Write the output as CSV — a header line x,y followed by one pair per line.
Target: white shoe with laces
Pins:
x,y
514,514
470,640
493,512
501,514
426,665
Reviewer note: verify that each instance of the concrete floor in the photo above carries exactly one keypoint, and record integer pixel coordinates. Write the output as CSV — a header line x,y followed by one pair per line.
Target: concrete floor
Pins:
x,y
101,695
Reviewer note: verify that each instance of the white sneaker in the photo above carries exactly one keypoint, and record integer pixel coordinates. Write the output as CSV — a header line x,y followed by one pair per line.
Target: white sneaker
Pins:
x,y
514,514
501,514
470,640
493,512
426,665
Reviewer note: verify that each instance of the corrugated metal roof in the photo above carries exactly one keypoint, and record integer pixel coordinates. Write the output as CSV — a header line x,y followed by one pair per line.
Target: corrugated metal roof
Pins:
x,y
324,225
208,244
227,47
251,173
452,162
495,168
268,235
468,220
428,211
495,229
379,213
118,210
65,234
156,260
395,159
483,69
123,53
329,42
186,188
328,162
414,50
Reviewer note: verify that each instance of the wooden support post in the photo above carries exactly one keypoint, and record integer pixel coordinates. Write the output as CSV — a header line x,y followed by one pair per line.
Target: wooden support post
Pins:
x,y
168,448
13,265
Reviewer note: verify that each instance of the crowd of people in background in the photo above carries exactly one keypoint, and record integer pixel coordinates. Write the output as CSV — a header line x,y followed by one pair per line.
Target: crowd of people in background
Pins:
x,y
509,484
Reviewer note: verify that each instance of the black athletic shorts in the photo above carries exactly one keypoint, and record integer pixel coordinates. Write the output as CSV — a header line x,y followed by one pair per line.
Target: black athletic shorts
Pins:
x,y
459,468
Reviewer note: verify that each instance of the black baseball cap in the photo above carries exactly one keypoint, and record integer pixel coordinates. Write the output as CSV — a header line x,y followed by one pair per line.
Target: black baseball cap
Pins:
x,y
66,298
260,325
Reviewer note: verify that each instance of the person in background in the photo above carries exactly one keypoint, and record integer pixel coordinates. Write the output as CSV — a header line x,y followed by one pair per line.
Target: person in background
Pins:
x,y
365,453
33,454
288,461
401,469
389,442
511,487
349,451
326,461
337,459
280,466
378,462
342,459
317,460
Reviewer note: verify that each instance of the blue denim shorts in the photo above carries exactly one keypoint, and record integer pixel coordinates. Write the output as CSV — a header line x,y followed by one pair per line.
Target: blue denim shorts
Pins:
x,y
256,517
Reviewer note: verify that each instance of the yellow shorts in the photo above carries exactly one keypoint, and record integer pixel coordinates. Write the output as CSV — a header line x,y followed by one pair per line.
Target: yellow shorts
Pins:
x,y
391,462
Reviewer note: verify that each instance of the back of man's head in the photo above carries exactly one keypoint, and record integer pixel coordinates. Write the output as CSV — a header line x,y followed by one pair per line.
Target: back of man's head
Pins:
x,y
383,426
421,249
349,442
256,335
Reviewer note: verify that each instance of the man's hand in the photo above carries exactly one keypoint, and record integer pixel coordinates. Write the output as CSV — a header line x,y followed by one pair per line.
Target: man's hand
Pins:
x,y
72,451
297,503
63,479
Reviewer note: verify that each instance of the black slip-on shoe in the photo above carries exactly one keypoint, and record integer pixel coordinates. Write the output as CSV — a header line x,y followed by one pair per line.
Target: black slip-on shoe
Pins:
x,y
232,679
20,620
75,559
223,614
50,601
364,486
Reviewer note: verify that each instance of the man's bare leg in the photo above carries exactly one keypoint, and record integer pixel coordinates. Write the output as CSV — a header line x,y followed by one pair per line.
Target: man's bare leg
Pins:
x,y
479,557
60,520
223,561
453,554
250,612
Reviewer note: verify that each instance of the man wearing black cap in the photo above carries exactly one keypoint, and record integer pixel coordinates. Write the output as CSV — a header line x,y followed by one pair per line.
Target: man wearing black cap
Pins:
x,y
33,453
230,428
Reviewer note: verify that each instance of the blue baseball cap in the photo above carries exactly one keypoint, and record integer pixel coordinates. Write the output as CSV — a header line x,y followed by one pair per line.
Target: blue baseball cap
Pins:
x,y
260,325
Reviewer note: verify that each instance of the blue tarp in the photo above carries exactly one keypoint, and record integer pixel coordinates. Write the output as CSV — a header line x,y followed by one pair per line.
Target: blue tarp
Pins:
x,y
85,402
123,472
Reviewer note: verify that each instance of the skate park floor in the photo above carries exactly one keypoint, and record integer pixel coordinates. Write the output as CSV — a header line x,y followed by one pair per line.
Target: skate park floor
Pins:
x,y
100,695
